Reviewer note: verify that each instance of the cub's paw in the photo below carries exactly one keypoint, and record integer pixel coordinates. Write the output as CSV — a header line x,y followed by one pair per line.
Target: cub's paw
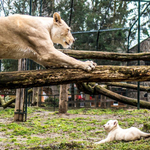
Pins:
x,y
97,143
89,65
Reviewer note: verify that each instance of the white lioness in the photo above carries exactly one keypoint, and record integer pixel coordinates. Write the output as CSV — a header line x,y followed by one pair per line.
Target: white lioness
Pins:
x,y
23,36
115,132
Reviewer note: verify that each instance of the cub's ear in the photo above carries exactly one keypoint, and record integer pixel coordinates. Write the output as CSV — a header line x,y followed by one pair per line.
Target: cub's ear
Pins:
x,y
56,18
115,122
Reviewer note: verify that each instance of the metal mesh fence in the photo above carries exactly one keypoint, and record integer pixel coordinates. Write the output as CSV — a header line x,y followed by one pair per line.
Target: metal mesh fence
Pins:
x,y
100,25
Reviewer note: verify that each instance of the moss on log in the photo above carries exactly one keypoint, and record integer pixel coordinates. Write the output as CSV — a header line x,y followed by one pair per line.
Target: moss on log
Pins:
x,y
82,54
38,78
92,88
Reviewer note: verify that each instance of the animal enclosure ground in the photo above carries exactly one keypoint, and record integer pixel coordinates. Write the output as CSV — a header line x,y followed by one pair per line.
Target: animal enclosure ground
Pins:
x,y
78,130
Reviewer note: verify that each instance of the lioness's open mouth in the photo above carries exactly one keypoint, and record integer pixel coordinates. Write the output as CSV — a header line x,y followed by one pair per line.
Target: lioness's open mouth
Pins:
x,y
67,43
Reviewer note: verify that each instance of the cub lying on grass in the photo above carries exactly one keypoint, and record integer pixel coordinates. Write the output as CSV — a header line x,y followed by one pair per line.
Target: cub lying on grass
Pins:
x,y
115,132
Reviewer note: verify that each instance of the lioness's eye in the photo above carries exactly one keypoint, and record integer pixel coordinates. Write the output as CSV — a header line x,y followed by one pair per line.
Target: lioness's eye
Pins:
x,y
68,29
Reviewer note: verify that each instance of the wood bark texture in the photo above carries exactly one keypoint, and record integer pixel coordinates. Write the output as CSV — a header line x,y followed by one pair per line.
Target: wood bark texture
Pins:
x,y
7,104
63,98
82,54
127,85
20,94
35,96
93,88
38,78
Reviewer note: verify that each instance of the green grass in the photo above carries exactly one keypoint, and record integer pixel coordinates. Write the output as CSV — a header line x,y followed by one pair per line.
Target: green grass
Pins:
x,y
50,131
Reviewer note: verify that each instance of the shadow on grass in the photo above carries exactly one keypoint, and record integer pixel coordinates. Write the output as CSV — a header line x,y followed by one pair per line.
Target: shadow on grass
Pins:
x,y
61,146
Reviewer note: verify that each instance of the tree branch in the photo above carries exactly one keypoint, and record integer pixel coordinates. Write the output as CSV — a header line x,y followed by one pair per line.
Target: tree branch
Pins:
x,y
81,54
7,104
127,85
92,88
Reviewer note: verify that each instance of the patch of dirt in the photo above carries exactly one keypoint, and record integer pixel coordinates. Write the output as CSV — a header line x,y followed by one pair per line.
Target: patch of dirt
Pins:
x,y
6,120
47,115
51,135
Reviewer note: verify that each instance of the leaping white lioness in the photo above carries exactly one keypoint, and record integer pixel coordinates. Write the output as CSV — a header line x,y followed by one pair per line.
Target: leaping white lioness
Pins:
x,y
23,36
115,132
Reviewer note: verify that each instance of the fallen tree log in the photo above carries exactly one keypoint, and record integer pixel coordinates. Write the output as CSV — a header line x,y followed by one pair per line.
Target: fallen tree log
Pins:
x,y
82,54
93,88
127,85
38,78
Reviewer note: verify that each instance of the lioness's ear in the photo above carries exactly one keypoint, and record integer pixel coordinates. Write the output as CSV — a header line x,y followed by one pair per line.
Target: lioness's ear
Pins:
x,y
115,122
56,18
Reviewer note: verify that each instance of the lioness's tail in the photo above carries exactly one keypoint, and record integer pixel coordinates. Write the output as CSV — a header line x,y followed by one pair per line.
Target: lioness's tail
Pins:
x,y
143,134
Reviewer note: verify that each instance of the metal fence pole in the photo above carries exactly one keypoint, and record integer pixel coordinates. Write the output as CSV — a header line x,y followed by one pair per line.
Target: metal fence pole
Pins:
x,y
138,93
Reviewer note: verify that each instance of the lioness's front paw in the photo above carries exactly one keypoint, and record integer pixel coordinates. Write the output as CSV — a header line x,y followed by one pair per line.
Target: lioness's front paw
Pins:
x,y
89,65
97,143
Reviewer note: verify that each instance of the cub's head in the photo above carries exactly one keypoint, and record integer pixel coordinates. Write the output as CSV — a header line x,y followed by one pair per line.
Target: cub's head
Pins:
x,y
61,32
111,124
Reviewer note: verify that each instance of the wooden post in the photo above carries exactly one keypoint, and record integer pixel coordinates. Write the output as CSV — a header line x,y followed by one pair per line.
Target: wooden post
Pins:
x,y
35,96
20,94
63,98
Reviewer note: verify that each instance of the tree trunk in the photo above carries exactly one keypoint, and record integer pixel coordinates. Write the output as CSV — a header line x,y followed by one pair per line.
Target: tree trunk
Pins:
x,y
81,54
63,98
93,88
38,78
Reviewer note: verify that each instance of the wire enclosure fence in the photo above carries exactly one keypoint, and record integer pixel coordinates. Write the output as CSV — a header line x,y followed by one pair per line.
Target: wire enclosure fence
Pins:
x,y
109,25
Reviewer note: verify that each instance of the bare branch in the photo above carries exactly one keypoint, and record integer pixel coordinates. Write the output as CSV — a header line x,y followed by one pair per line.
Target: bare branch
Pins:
x,y
81,54
92,88
127,85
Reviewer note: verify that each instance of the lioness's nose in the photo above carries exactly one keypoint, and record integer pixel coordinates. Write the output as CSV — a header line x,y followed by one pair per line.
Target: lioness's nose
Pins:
x,y
73,40
104,126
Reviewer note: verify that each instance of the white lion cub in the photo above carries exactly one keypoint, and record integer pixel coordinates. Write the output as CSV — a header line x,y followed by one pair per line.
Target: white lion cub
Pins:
x,y
115,132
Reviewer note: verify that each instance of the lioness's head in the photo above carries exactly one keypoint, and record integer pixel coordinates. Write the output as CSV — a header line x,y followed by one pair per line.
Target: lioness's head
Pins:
x,y
61,32
111,124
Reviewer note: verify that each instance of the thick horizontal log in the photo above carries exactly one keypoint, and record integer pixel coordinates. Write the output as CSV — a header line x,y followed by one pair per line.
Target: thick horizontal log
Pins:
x,y
127,85
37,78
81,54
93,88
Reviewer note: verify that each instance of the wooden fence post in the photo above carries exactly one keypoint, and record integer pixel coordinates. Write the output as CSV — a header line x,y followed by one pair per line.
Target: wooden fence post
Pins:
x,y
63,98
35,96
20,94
